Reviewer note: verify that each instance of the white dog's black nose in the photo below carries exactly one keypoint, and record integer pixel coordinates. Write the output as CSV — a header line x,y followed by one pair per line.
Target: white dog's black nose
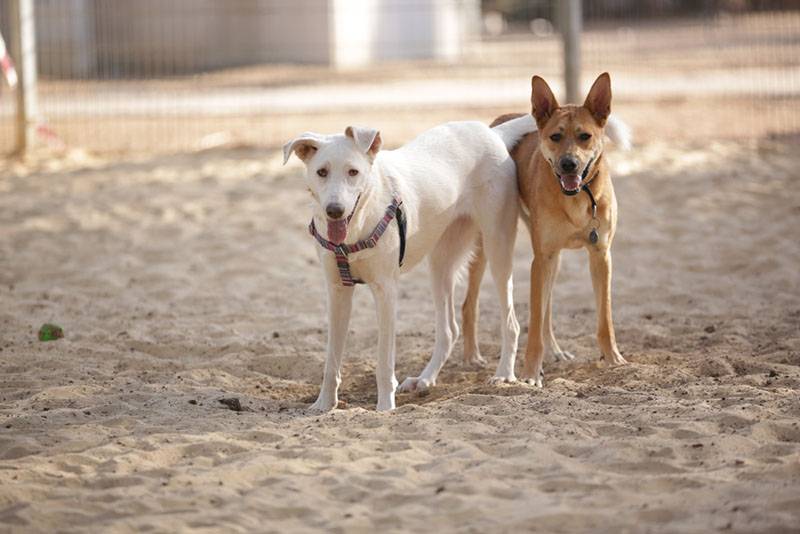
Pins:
x,y
335,211
568,164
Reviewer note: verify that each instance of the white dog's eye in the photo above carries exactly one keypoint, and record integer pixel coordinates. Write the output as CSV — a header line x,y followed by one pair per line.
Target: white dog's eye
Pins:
x,y
322,173
353,172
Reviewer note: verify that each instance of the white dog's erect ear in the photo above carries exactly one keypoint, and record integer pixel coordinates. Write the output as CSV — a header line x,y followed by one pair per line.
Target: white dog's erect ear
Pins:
x,y
598,101
543,101
304,146
368,140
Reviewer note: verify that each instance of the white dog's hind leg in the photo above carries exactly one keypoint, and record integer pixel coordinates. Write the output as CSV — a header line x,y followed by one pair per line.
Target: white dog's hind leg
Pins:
x,y
385,295
340,301
445,260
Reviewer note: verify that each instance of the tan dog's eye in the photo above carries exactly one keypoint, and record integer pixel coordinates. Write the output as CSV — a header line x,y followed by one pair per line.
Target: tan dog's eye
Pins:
x,y
353,172
556,137
322,173
585,136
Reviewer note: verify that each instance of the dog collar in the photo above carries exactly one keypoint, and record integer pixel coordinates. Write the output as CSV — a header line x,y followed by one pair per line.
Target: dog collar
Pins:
x,y
593,236
342,251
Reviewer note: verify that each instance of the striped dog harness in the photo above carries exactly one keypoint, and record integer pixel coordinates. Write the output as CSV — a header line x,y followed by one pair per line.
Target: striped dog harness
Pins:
x,y
341,252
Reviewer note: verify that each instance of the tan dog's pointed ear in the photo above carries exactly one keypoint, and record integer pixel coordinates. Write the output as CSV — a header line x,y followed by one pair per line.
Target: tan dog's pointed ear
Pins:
x,y
598,101
304,145
543,101
368,140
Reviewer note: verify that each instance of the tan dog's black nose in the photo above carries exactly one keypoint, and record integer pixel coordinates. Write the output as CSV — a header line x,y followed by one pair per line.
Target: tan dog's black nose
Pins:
x,y
568,164
335,211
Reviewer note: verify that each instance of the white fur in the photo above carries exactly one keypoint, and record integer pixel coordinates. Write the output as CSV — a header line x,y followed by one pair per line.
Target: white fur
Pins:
x,y
455,181
515,129
619,132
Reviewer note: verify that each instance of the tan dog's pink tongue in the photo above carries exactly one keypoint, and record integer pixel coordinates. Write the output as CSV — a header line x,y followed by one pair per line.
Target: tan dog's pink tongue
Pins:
x,y
570,182
337,231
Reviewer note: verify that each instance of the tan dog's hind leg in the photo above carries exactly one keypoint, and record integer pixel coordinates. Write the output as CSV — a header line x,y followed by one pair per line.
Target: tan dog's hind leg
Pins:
x,y
600,266
453,246
551,345
543,270
469,310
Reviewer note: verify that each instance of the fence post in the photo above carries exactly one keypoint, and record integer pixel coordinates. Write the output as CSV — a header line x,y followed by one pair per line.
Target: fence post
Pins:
x,y
571,21
23,50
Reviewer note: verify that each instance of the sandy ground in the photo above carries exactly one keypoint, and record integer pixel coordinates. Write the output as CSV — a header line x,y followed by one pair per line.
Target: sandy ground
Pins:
x,y
185,279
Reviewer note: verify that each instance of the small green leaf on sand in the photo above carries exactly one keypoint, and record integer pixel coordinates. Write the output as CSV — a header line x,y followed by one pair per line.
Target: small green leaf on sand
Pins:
x,y
50,332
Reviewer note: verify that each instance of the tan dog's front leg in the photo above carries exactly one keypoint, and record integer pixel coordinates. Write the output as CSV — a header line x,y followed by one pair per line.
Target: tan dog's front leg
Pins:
x,y
543,270
550,343
600,266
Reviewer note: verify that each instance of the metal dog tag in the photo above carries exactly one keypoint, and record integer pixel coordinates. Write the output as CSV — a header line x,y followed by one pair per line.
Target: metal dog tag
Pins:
x,y
593,236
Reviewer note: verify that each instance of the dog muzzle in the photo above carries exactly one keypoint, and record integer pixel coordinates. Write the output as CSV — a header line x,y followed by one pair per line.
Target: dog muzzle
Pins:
x,y
571,183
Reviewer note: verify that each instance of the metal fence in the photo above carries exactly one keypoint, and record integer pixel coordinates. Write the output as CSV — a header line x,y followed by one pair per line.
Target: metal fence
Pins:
x,y
117,76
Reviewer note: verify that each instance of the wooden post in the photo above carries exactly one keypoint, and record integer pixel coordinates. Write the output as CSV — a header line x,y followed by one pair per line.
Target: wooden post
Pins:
x,y
23,51
571,21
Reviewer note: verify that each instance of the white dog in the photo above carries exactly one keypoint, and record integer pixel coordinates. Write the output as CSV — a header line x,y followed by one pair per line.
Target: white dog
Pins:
x,y
379,213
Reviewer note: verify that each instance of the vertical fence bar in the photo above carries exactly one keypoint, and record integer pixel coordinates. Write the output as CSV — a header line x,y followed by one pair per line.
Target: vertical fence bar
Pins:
x,y
571,21
23,50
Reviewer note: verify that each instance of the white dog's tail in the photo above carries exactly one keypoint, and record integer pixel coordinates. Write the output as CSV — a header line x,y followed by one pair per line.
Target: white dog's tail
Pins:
x,y
619,132
515,129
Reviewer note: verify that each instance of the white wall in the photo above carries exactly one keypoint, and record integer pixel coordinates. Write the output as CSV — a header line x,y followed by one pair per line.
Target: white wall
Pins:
x,y
374,30
142,38
353,32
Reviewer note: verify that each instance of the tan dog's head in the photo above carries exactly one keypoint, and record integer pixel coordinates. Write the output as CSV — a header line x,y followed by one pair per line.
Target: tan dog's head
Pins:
x,y
571,136
338,169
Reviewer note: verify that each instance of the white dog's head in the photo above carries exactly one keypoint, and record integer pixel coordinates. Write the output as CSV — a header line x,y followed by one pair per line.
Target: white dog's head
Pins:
x,y
338,170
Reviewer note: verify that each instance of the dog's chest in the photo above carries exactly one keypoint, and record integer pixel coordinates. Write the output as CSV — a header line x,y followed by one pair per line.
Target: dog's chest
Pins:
x,y
573,229
580,239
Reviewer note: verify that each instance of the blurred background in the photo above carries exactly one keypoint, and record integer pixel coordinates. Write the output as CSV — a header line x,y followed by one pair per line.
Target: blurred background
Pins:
x,y
121,76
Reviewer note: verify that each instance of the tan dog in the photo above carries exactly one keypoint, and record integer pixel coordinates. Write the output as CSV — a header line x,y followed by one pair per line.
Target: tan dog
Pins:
x,y
565,185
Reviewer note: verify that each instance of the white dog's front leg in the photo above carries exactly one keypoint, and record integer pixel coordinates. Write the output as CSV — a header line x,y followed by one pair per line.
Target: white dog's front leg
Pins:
x,y
340,300
385,294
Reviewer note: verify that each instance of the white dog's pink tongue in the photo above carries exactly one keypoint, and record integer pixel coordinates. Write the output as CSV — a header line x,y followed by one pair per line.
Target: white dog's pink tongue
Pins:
x,y
570,182
337,231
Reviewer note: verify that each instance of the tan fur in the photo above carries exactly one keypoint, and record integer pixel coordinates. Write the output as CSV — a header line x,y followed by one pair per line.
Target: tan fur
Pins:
x,y
469,310
558,221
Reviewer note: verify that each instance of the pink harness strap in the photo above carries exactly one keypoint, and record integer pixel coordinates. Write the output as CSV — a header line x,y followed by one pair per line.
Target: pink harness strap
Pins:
x,y
342,251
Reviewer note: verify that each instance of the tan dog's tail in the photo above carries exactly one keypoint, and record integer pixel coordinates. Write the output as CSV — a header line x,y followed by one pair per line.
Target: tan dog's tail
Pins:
x,y
619,132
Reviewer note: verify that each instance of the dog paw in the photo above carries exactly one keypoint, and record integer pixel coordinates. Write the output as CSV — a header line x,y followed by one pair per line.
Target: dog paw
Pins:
x,y
563,356
474,360
322,406
415,383
501,379
533,379
535,382
385,406
614,360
